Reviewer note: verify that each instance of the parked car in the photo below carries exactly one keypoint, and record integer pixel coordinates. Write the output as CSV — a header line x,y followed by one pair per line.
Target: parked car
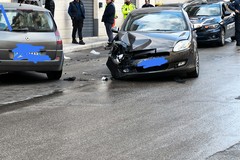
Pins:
x,y
29,40
153,41
214,22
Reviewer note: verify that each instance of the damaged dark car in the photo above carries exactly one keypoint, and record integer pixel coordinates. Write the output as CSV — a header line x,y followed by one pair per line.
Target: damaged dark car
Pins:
x,y
153,42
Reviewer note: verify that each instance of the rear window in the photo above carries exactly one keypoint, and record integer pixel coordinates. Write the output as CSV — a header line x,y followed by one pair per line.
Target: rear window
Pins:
x,y
27,21
161,21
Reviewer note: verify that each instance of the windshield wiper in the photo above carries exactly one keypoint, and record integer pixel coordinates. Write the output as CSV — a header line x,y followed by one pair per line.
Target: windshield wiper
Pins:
x,y
21,30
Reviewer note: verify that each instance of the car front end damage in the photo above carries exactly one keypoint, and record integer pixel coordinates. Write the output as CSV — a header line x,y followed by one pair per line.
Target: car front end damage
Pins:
x,y
209,33
140,58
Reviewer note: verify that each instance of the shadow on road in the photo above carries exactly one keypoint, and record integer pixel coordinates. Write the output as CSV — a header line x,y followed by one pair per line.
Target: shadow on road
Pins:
x,y
214,45
22,78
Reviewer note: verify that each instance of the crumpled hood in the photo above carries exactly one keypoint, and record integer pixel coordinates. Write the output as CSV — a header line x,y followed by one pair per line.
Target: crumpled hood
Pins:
x,y
152,40
205,20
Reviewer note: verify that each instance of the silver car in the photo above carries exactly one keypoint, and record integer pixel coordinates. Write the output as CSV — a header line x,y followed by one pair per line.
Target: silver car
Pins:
x,y
29,40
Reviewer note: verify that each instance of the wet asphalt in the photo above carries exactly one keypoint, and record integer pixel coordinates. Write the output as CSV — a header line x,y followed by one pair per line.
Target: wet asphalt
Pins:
x,y
161,119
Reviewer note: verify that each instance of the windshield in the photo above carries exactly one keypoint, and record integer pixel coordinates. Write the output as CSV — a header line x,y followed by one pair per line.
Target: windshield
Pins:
x,y
204,10
25,20
161,21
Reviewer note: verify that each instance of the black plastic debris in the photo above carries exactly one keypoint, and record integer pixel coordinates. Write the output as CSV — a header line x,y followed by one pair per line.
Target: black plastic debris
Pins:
x,y
70,79
104,78
238,98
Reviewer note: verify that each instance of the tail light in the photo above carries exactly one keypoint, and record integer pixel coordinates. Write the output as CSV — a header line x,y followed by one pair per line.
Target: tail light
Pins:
x,y
59,44
59,40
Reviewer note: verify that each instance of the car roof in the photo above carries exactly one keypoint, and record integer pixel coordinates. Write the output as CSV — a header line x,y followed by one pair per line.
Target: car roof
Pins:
x,y
156,9
22,6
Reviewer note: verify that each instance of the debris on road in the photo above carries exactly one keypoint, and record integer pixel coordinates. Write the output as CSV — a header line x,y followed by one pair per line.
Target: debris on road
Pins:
x,y
86,73
70,79
238,98
81,79
104,78
66,58
94,52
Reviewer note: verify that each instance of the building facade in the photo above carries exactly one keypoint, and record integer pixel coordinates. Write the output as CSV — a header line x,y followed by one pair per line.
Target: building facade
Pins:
x,y
94,11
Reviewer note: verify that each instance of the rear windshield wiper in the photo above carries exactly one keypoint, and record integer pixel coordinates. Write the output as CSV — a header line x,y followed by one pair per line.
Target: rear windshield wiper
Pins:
x,y
21,30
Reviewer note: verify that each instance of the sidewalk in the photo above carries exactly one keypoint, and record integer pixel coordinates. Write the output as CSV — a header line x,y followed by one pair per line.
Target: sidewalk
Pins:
x,y
91,42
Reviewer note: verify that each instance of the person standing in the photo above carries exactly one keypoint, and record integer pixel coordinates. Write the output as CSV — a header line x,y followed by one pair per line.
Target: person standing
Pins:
x,y
108,19
76,11
50,5
147,4
235,6
115,16
127,8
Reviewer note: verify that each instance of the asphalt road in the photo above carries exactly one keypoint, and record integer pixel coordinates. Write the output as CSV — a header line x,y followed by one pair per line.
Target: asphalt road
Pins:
x,y
161,119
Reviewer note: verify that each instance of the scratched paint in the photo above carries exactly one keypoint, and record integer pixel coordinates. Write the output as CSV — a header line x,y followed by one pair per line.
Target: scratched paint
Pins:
x,y
152,62
30,53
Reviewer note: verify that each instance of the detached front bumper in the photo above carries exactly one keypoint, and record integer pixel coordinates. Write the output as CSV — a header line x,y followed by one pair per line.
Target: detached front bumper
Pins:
x,y
131,68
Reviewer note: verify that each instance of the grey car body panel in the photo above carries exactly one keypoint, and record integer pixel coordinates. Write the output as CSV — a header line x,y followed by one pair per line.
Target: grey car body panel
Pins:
x,y
9,40
15,6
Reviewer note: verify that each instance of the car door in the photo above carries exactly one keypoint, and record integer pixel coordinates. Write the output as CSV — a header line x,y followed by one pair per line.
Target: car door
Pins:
x,y
228,22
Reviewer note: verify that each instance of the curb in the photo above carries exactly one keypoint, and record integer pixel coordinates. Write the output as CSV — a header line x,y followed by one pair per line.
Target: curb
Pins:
x,y
75,48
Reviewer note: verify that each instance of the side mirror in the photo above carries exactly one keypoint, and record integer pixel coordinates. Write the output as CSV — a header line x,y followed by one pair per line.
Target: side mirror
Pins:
x,y
227,13
115,29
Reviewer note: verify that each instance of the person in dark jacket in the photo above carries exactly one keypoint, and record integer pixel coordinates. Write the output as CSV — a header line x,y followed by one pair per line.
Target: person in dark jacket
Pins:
x,y
108,19
77,13
235,6
147,4
50,5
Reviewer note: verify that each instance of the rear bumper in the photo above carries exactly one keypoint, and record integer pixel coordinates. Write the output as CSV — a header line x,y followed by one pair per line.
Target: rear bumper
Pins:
x,y
10,65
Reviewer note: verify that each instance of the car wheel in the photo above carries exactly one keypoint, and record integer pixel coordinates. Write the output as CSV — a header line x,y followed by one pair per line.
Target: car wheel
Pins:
x,y
54,75
195,72
222,38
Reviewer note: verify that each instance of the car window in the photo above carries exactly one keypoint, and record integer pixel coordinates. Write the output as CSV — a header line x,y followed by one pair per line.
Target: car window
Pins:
x,y
31,21
161,21
204,10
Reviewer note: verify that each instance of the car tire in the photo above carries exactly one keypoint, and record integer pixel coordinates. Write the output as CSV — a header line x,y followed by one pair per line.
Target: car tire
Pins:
x,y
195,72
221,41
54,75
